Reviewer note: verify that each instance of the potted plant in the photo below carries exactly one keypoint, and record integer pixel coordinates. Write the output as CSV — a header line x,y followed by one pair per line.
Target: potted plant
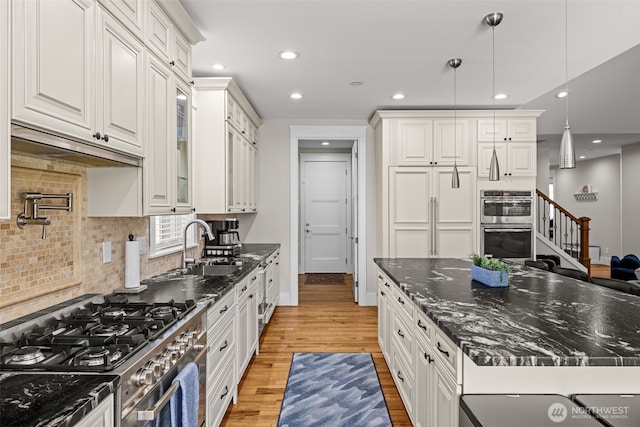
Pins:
x,y
490,271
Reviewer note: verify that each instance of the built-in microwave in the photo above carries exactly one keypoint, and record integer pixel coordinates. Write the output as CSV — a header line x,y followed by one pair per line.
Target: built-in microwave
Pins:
x,y
507,241
506,207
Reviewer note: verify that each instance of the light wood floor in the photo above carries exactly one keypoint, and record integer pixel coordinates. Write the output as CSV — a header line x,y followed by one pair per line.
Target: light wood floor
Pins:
x,y
601,270
327,320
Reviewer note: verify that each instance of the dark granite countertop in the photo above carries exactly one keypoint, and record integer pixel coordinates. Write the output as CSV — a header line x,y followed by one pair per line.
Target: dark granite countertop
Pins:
x,y
51,399
540,319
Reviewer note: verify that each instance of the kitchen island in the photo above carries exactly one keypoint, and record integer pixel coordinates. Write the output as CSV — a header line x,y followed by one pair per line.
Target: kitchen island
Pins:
x,y
544,333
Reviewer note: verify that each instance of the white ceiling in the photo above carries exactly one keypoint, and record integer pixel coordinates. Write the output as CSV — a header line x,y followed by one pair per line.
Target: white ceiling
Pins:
x,y
403,46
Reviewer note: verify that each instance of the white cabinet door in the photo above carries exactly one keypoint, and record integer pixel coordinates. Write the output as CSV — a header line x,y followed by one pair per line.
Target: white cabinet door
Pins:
x,y
54,67
445,133
181,56
5,88
181,148
129,12
522,130
409,212
444,399
424,363
120,89
454,211
158,162
488,129
100,416
415,142
521,159
158,37
485,151
243,343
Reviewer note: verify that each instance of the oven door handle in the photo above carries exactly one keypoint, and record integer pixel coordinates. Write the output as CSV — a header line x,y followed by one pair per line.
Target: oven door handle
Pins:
x,y
152,413
510,230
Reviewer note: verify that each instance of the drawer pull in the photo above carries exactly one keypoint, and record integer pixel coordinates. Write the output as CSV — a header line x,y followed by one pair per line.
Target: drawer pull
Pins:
x,y
251,296
379,276
226,391
400,376
387,284
421,325
382,293
225,345
400,300
400,333
428,358
244,288
446,353
226,307
254,278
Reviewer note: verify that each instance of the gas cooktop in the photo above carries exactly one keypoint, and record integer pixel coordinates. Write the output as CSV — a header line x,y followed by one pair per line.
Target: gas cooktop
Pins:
x,y
95,337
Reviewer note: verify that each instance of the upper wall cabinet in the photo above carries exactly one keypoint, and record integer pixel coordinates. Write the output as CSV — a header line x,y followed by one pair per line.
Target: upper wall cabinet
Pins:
x,y
520,130
77,72
5,155
131,13
225,148
424,142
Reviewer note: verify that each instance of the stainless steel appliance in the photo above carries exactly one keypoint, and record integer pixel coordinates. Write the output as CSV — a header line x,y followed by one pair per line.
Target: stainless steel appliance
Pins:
x,y
506,207
227,240
146,344
506,224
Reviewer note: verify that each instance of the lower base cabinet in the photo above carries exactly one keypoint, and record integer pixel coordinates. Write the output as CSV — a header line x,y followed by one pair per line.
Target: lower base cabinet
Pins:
x,y
100,416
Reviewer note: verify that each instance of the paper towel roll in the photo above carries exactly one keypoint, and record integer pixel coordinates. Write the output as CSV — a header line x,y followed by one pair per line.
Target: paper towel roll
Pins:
x,y
132,264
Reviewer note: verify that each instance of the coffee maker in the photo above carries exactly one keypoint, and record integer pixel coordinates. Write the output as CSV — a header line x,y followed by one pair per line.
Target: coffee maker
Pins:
x,y
227,239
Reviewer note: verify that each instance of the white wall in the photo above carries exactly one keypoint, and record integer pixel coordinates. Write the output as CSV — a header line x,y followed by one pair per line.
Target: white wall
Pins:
x,y
272,223
630,200
605,213
542,177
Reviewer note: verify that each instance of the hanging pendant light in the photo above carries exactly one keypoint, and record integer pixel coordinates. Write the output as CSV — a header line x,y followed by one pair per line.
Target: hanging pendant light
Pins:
x,y
493,20
455,179
567,150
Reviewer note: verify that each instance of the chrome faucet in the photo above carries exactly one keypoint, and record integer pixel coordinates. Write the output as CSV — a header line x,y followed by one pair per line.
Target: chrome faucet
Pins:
x,y
206,227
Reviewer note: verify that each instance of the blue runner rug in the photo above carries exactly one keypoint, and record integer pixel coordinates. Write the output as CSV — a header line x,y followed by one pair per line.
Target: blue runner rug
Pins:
x,y
333,389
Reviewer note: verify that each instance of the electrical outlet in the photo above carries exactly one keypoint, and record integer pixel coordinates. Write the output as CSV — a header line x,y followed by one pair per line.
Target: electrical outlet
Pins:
x,y
606,251
106,252
143,245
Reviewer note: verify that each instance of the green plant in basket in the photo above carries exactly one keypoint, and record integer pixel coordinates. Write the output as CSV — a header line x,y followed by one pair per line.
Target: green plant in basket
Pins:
x,y
490,263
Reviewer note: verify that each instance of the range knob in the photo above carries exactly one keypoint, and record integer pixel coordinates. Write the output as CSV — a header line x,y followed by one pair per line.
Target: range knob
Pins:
x,y
143,377
165,362
178,347
157,369
187,339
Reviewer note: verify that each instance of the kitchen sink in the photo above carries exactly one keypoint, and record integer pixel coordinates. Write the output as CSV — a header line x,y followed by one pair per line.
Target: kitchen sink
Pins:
x,y
215,269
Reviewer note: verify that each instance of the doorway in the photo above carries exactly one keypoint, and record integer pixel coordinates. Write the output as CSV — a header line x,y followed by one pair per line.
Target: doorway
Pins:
x,y
325,212
355,195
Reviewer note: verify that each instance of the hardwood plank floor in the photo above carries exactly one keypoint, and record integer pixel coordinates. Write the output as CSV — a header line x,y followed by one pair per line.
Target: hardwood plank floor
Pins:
x,y
601,270
327,320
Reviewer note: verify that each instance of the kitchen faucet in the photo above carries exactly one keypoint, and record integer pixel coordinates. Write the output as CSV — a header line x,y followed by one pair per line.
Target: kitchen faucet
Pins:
x,y
206,227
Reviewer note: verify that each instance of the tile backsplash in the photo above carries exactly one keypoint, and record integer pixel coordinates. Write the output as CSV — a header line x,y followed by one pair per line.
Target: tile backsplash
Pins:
x,y
36,273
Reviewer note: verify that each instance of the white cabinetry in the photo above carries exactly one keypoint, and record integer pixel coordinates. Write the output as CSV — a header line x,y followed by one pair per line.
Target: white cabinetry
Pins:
x,y
428,218
100,416
385,315
247,320
272,285
130,13
5,88
513,129
225,148
221,358
77,72
424,142
165,41
515,159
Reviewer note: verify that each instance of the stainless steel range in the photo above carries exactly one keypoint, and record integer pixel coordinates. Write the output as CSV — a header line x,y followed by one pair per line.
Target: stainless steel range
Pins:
x,y
146,344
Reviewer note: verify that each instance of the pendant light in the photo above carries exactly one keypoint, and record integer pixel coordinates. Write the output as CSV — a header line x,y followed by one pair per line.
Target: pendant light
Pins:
x,y
493,20
455,179
567,150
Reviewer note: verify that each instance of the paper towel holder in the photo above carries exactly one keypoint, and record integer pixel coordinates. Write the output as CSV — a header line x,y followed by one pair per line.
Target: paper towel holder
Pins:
x,y
137,289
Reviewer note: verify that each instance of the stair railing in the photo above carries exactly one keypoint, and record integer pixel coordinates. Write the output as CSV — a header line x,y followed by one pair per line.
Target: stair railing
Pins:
x,y
568,232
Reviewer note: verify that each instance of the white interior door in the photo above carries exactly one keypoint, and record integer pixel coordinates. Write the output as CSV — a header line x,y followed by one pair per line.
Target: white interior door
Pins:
x,y
325,195
354,217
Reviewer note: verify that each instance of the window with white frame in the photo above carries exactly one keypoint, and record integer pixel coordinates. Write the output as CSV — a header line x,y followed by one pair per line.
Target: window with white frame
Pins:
x,y
166,234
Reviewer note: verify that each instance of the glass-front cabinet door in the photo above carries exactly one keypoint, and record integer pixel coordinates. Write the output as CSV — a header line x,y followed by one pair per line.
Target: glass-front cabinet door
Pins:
x,y
183,147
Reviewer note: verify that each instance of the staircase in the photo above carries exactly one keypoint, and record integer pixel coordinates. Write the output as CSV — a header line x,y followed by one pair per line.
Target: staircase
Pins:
x,y
562,232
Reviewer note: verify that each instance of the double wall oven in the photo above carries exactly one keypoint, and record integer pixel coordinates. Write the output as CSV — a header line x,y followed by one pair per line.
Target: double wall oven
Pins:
x,y
145,344
506,224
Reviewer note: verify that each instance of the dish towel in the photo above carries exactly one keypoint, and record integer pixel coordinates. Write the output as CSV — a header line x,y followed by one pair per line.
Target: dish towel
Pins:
x,y
184,404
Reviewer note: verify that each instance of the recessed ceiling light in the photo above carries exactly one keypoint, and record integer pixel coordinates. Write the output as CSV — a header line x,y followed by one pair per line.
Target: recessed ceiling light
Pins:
x,y
582,157
295,95
218,67
356,83
289,54
596,141
562,94
325,142
500,96
397,96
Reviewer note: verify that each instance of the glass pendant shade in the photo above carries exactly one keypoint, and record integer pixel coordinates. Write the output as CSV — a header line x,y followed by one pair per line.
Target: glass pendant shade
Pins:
x,y
567,150
494,168
455,179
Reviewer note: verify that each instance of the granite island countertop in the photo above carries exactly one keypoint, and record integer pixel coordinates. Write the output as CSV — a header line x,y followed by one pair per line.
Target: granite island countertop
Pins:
x,y
540,319
52,400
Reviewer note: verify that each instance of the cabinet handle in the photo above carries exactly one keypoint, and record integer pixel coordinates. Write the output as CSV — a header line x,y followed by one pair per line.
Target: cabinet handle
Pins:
x,y
380,276
193,209
226,391
387,284
400,301
226,344
173,209
105,138
251,296
421,325
97,135
243,289
382,293
254,278
400,376
428,358
192,82
446,353
400,333
270,280
224,309
172,62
